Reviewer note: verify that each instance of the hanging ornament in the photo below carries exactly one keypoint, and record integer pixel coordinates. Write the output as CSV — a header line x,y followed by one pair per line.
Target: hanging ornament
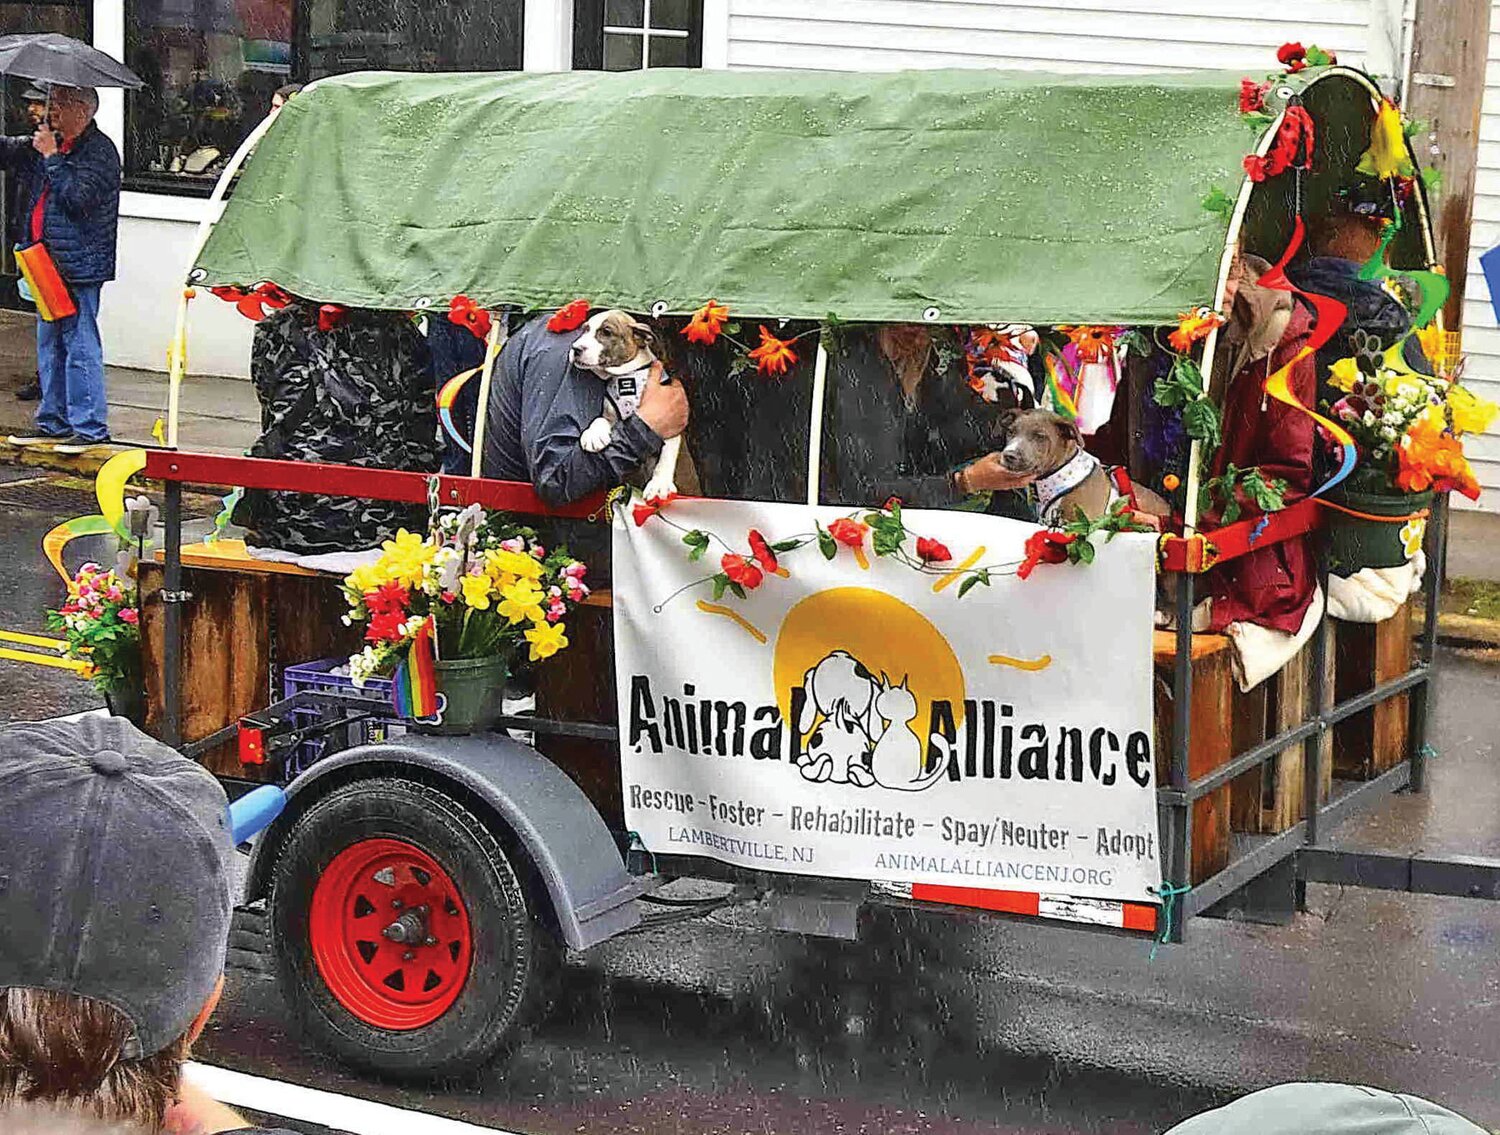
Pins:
x,y
1388,155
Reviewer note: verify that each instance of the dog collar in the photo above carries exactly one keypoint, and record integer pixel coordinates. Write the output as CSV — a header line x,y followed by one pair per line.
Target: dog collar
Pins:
x,y
1062,481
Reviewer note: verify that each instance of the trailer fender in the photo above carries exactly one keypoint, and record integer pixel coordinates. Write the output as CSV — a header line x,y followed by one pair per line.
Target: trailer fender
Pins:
x,y
575,855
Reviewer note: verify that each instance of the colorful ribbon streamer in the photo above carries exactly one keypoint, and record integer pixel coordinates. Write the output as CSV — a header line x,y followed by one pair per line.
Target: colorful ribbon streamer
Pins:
x,y
447,395
1330,315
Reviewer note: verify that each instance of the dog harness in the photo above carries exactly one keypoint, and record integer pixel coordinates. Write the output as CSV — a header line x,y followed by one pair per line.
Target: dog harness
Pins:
x,y
1061,481
624,390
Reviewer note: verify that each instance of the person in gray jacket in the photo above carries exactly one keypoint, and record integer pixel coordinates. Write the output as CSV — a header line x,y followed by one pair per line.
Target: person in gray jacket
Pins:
x,y
541,404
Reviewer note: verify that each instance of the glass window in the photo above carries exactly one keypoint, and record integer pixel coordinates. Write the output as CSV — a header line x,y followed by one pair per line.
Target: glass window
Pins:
x,y
627,35
211,66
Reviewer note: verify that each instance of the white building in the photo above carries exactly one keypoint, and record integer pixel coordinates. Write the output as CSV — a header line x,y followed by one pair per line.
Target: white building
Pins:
x,y
212,65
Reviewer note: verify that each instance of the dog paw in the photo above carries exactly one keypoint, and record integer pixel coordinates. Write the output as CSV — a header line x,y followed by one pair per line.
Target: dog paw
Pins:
x,y
861,777
659,488
597,436
816,770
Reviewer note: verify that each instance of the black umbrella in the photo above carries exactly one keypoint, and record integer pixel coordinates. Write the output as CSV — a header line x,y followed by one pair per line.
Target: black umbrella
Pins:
x,y
63,61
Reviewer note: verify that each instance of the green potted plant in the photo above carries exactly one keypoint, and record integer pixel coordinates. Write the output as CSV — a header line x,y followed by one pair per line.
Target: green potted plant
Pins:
x,y
1408,428
100,623
486,593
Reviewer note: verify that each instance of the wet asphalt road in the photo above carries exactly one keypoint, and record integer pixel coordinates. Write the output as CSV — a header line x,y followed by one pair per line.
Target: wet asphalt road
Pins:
x,y
932,1024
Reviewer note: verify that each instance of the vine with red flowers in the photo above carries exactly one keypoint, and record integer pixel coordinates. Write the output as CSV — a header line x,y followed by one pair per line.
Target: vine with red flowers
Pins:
x,y
742,569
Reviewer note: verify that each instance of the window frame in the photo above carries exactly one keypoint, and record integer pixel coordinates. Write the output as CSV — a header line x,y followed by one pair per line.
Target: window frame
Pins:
x,y
589,30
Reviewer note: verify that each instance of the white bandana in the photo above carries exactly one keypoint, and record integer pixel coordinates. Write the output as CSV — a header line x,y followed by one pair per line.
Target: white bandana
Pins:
x,y
1058,484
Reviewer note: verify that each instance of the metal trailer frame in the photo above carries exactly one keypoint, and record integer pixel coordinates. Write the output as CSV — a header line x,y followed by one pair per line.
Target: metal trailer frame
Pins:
x,y
1266,877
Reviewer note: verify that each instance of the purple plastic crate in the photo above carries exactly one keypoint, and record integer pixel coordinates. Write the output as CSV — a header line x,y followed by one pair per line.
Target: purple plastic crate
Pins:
x,y
306,676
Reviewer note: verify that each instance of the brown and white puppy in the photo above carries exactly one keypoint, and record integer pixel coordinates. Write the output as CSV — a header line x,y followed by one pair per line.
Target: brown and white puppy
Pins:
x,y
1069,481
620,350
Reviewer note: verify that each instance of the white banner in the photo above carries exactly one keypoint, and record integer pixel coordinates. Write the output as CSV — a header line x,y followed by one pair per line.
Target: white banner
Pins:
x,y
856,718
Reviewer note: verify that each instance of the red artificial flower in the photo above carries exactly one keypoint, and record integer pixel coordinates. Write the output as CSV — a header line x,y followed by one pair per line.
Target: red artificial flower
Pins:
x,y
706,323
929,551
849,532
252,304
762,552
1044,547
387,626
569,317
330,315
1255,167
644,512
742,571
1252,96
466,313
891,504
448,597
1293,147
389,596
1292,56
773,356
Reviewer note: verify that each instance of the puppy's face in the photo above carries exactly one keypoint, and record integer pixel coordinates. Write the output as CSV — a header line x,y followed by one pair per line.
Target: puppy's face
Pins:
x,y
1037,442
612,339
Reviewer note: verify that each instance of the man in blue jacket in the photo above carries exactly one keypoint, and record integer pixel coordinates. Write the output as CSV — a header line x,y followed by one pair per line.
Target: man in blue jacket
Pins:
x,y
73,171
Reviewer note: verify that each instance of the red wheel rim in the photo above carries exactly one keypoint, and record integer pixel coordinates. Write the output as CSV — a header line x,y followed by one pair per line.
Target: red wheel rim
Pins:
x,y
390,934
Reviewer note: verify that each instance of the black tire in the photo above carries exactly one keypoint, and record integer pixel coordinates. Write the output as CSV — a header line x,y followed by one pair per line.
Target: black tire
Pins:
x,y
512,953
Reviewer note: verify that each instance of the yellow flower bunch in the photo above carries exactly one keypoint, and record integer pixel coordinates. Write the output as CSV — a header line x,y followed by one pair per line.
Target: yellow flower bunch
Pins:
x,y
546,639
1471,413
521,602
1343,374
499,563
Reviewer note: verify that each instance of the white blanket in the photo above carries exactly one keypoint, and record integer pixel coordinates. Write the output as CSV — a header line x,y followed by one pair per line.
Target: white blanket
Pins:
x,y
339,563
1373,595
1260,652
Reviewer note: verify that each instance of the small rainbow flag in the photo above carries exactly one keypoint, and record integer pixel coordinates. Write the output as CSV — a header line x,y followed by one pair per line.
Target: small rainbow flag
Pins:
x,y
48,291
414,688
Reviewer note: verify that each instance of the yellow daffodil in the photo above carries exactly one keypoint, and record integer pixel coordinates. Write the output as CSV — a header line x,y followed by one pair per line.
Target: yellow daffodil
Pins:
x,y
1343,375
546,639
521,602
406,556
476,592
1431,338
1471,413
366,577
1388,155
519,564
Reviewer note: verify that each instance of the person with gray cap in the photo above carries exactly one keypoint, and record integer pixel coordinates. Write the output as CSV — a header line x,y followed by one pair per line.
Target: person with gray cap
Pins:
x,y
1327,1109
116,867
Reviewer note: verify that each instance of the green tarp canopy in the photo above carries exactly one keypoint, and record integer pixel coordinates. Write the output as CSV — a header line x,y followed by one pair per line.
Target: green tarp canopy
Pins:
x,y
965,196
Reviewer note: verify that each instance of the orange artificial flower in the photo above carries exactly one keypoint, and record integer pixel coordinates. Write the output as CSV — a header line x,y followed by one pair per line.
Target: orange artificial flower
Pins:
x,y
773,356
1193,326
1432,458
1092,342
706,323
569,317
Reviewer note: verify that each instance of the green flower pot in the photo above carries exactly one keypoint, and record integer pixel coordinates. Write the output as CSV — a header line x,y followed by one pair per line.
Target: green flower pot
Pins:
x,y
127,698
471,689
1355,543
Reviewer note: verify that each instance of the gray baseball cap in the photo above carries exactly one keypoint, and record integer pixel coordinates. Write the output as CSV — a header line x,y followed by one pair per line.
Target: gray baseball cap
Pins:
x,y
1327,1109
34,93
115,869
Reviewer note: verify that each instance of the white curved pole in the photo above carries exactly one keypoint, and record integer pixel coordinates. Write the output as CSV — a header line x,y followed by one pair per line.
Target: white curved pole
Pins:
x,y
177,352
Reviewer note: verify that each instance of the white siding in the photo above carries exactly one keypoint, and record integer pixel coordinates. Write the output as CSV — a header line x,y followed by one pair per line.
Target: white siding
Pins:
x,y
1090,35
1481,332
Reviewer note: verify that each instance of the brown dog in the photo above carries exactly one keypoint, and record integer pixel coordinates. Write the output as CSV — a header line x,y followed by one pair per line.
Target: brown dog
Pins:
x,y
1070,482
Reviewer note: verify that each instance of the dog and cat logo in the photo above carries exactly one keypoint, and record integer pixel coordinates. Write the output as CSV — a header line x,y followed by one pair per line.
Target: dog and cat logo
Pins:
x,y
859,729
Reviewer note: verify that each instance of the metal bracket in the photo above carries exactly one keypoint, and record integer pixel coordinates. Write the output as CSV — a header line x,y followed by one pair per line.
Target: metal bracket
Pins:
x,y
1431,79
174,596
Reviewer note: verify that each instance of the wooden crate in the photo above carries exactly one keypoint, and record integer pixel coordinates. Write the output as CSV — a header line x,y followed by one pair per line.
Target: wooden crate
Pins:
x,y
1211,745
1369,743
1272,798
246,621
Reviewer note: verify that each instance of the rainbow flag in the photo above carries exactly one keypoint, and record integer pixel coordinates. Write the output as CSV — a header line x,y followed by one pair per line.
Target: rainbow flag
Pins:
x,y
48,291
414,688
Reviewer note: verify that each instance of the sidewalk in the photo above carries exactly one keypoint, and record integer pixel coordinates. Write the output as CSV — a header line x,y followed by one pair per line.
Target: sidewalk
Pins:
x,y
218,415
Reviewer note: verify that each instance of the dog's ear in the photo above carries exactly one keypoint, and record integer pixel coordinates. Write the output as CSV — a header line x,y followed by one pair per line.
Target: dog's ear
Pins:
x,y
1004,421
647,336
1068,430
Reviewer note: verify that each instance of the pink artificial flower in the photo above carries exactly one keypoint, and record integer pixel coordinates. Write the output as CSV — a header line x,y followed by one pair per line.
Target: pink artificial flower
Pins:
x,y
555,592
114,595
514,544
538,551
575,570
129,615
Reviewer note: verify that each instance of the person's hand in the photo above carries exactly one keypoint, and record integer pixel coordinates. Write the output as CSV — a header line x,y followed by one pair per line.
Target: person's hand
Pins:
x,y
663,407
989,475
44,141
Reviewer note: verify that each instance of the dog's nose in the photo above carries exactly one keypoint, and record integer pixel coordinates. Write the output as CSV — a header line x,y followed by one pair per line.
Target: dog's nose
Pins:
x,y
1013,461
